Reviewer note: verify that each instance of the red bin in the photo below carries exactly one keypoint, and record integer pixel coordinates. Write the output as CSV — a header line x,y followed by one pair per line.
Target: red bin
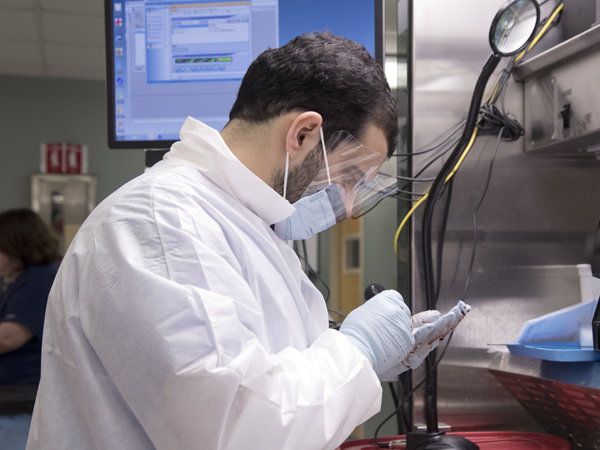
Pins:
x,y
494,440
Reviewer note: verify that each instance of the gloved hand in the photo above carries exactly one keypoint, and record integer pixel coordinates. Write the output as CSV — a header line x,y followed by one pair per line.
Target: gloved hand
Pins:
x,y
382,330
429,329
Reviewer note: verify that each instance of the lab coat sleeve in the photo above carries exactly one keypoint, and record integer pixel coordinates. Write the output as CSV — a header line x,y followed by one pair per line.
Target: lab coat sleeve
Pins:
x,y
188,365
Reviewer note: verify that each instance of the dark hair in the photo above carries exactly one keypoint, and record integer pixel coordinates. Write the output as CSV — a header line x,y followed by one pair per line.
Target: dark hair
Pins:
x,y
25,236
320,72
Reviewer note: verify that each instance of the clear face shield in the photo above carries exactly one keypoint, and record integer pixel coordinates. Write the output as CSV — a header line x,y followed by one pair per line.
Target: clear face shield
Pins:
x,y
347,183
350,176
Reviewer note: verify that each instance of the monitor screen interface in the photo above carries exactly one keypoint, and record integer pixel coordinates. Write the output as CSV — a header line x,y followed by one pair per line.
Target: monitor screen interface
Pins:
x,y
168,60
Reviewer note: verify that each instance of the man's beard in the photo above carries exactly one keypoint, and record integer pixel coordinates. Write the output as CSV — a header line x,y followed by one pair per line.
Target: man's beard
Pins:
x,y
300,177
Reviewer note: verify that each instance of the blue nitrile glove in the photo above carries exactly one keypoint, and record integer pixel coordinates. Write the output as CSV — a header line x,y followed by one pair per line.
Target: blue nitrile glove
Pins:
x,y
382,330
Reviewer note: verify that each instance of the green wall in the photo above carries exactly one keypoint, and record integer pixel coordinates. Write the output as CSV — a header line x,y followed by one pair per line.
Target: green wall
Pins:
x,y
36,110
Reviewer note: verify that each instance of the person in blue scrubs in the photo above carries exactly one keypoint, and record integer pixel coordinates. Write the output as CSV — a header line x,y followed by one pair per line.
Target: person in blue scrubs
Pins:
x,y
28,256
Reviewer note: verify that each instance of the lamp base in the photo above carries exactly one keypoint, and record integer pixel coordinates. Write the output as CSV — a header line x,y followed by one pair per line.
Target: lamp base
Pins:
x,y
421,440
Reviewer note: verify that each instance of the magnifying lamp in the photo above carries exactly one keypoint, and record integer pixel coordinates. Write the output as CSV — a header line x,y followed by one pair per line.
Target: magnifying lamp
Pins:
x,y
513,27
512,30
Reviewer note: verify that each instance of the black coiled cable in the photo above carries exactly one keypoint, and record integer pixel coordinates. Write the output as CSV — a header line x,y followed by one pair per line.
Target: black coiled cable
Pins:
x,y
492,120
434,192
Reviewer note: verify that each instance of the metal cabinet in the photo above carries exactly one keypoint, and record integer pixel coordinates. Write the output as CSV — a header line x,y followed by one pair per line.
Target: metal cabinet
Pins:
x,y
63,201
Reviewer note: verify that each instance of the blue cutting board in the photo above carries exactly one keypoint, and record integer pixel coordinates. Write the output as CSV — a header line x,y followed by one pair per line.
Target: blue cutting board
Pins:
x,y
554,351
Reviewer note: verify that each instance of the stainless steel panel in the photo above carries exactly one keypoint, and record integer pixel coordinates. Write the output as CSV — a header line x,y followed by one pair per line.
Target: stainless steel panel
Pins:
x,y
531,227
571,90
541,115
559,54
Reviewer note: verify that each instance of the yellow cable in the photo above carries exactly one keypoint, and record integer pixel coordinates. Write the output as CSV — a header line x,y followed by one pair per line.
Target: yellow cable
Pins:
x,y
542,31
546,25
497,84
450,175
494,93
416,205
464,155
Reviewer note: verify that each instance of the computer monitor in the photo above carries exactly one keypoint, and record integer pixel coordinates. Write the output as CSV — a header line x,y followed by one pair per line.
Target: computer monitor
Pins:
x,y
167,60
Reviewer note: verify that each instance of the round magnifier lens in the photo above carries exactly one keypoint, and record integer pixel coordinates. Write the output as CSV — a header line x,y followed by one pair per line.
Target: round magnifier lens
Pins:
x,y
514,26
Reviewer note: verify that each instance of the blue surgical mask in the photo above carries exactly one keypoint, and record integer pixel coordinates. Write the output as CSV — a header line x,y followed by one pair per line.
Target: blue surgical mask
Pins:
x,y
314,213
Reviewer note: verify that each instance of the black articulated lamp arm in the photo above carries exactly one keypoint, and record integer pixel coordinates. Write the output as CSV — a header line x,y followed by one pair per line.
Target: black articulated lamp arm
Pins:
x,y
434,192
438,184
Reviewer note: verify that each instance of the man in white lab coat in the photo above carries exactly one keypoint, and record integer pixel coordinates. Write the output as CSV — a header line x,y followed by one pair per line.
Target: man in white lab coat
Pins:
x,y
180,320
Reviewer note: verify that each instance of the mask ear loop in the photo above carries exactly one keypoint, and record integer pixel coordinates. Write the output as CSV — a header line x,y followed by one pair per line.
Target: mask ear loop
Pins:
x,y
325,155
285,177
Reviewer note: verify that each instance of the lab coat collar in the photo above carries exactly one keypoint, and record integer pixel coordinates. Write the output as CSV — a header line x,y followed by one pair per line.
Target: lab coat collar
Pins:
x,y
204,148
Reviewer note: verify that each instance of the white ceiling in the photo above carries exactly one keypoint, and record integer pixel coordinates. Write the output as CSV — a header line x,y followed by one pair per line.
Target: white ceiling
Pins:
x,y
55,38
64,38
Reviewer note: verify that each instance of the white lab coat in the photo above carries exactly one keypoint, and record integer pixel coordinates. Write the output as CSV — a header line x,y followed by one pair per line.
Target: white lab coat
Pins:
x,y
178,320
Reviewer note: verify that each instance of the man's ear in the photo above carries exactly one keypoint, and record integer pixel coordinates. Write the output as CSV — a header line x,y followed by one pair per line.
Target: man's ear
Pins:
x,y
304,134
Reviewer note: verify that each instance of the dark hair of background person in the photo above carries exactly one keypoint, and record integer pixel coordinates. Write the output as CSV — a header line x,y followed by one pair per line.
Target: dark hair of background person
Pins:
x,y
25,236
320,72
